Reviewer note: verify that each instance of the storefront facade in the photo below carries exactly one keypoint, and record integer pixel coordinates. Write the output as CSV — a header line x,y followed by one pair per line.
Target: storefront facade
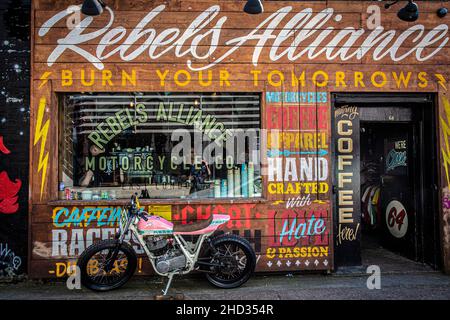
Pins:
x,y
112,96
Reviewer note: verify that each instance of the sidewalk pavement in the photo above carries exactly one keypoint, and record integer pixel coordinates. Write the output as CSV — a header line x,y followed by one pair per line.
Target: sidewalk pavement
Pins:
x,y
418,285
401,279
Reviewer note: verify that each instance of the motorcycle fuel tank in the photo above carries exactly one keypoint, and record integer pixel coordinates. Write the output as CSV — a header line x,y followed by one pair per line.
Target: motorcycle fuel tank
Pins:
x,y
154,225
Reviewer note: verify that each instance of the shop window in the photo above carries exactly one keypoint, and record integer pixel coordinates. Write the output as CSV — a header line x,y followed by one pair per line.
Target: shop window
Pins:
x,y
160,145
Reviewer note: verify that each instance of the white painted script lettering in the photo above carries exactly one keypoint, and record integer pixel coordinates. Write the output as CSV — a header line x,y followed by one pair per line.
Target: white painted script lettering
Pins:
x,y
313,39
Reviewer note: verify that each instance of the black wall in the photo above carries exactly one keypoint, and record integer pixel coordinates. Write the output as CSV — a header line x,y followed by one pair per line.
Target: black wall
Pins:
x,y
14,128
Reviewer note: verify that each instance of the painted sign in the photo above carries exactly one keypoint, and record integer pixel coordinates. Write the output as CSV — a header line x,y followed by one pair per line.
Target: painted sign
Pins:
x,y
395,159
304,34
396,219
348,230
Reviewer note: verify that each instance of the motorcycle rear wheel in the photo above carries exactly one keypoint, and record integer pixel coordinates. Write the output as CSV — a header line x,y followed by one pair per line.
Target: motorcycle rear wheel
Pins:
x,y
91,266
238,258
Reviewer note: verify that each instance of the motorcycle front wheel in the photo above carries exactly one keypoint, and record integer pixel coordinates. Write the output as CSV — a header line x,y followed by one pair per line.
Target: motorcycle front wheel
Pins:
x,y
236,258
99,273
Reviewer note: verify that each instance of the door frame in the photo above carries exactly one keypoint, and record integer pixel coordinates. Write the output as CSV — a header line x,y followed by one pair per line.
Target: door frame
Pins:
x,y
427,125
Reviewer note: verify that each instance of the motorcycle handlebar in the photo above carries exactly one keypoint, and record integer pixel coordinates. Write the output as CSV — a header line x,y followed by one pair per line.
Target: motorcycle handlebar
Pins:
x,y
142,214
134,208
133,200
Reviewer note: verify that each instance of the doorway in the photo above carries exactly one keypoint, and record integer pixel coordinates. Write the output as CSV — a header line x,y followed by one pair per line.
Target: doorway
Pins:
x,y
397,167
388,186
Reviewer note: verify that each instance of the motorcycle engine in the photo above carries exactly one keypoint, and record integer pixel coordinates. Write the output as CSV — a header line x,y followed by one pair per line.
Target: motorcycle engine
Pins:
x,y
157,245
172,260
168,257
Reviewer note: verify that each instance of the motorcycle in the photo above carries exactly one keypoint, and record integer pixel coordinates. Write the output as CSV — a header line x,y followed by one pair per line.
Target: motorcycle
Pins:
x,y
227,260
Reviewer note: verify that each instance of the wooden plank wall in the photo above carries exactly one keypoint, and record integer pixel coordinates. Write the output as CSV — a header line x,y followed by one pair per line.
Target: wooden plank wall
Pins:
x,y
54,244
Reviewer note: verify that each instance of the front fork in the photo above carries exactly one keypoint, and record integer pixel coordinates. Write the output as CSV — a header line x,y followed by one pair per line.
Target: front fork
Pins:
x,y
112,253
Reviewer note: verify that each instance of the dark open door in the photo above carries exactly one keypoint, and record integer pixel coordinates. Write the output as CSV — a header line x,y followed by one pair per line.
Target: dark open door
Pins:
x,y
399,189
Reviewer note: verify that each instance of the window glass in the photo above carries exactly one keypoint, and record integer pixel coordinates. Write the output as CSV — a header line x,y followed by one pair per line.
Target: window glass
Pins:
x,y
160,145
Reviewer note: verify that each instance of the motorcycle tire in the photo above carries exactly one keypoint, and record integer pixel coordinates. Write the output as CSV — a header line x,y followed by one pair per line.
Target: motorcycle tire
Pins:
x,y
215,277
97,247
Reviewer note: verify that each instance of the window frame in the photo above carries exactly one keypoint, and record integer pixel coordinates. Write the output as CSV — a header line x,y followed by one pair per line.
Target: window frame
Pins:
x,y
263,198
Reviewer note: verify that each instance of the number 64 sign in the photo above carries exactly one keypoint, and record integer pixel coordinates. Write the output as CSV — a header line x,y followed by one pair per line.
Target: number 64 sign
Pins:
x,y
396,219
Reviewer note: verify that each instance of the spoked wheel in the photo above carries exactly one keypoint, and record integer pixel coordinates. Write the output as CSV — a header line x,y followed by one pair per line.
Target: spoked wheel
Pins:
x,y
99,272
237,262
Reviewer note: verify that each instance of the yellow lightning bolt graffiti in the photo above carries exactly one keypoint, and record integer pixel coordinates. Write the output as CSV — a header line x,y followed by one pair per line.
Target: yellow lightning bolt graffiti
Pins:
x,y
41,132
445,123
441,80
44,78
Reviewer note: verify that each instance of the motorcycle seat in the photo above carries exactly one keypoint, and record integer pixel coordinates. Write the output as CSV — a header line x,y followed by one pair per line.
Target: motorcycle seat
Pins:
x,y
195,226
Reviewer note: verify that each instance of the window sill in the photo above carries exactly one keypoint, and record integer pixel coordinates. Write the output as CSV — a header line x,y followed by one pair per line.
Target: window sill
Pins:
x,y
147,202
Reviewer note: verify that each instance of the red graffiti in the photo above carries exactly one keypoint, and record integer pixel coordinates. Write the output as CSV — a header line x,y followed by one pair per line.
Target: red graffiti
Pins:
x,y
241,215
3,149
291,116
8,193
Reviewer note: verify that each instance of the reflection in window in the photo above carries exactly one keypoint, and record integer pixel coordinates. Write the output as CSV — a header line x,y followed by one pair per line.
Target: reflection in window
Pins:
x,y
161,145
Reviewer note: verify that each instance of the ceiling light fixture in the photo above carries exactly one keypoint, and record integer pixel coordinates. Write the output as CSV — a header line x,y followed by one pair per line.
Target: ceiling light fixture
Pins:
x,y
409,13
92,7
442,12
253,7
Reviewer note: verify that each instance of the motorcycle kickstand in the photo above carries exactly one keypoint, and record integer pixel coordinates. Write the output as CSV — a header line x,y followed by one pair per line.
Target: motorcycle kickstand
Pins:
x,y
164,296
168,285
